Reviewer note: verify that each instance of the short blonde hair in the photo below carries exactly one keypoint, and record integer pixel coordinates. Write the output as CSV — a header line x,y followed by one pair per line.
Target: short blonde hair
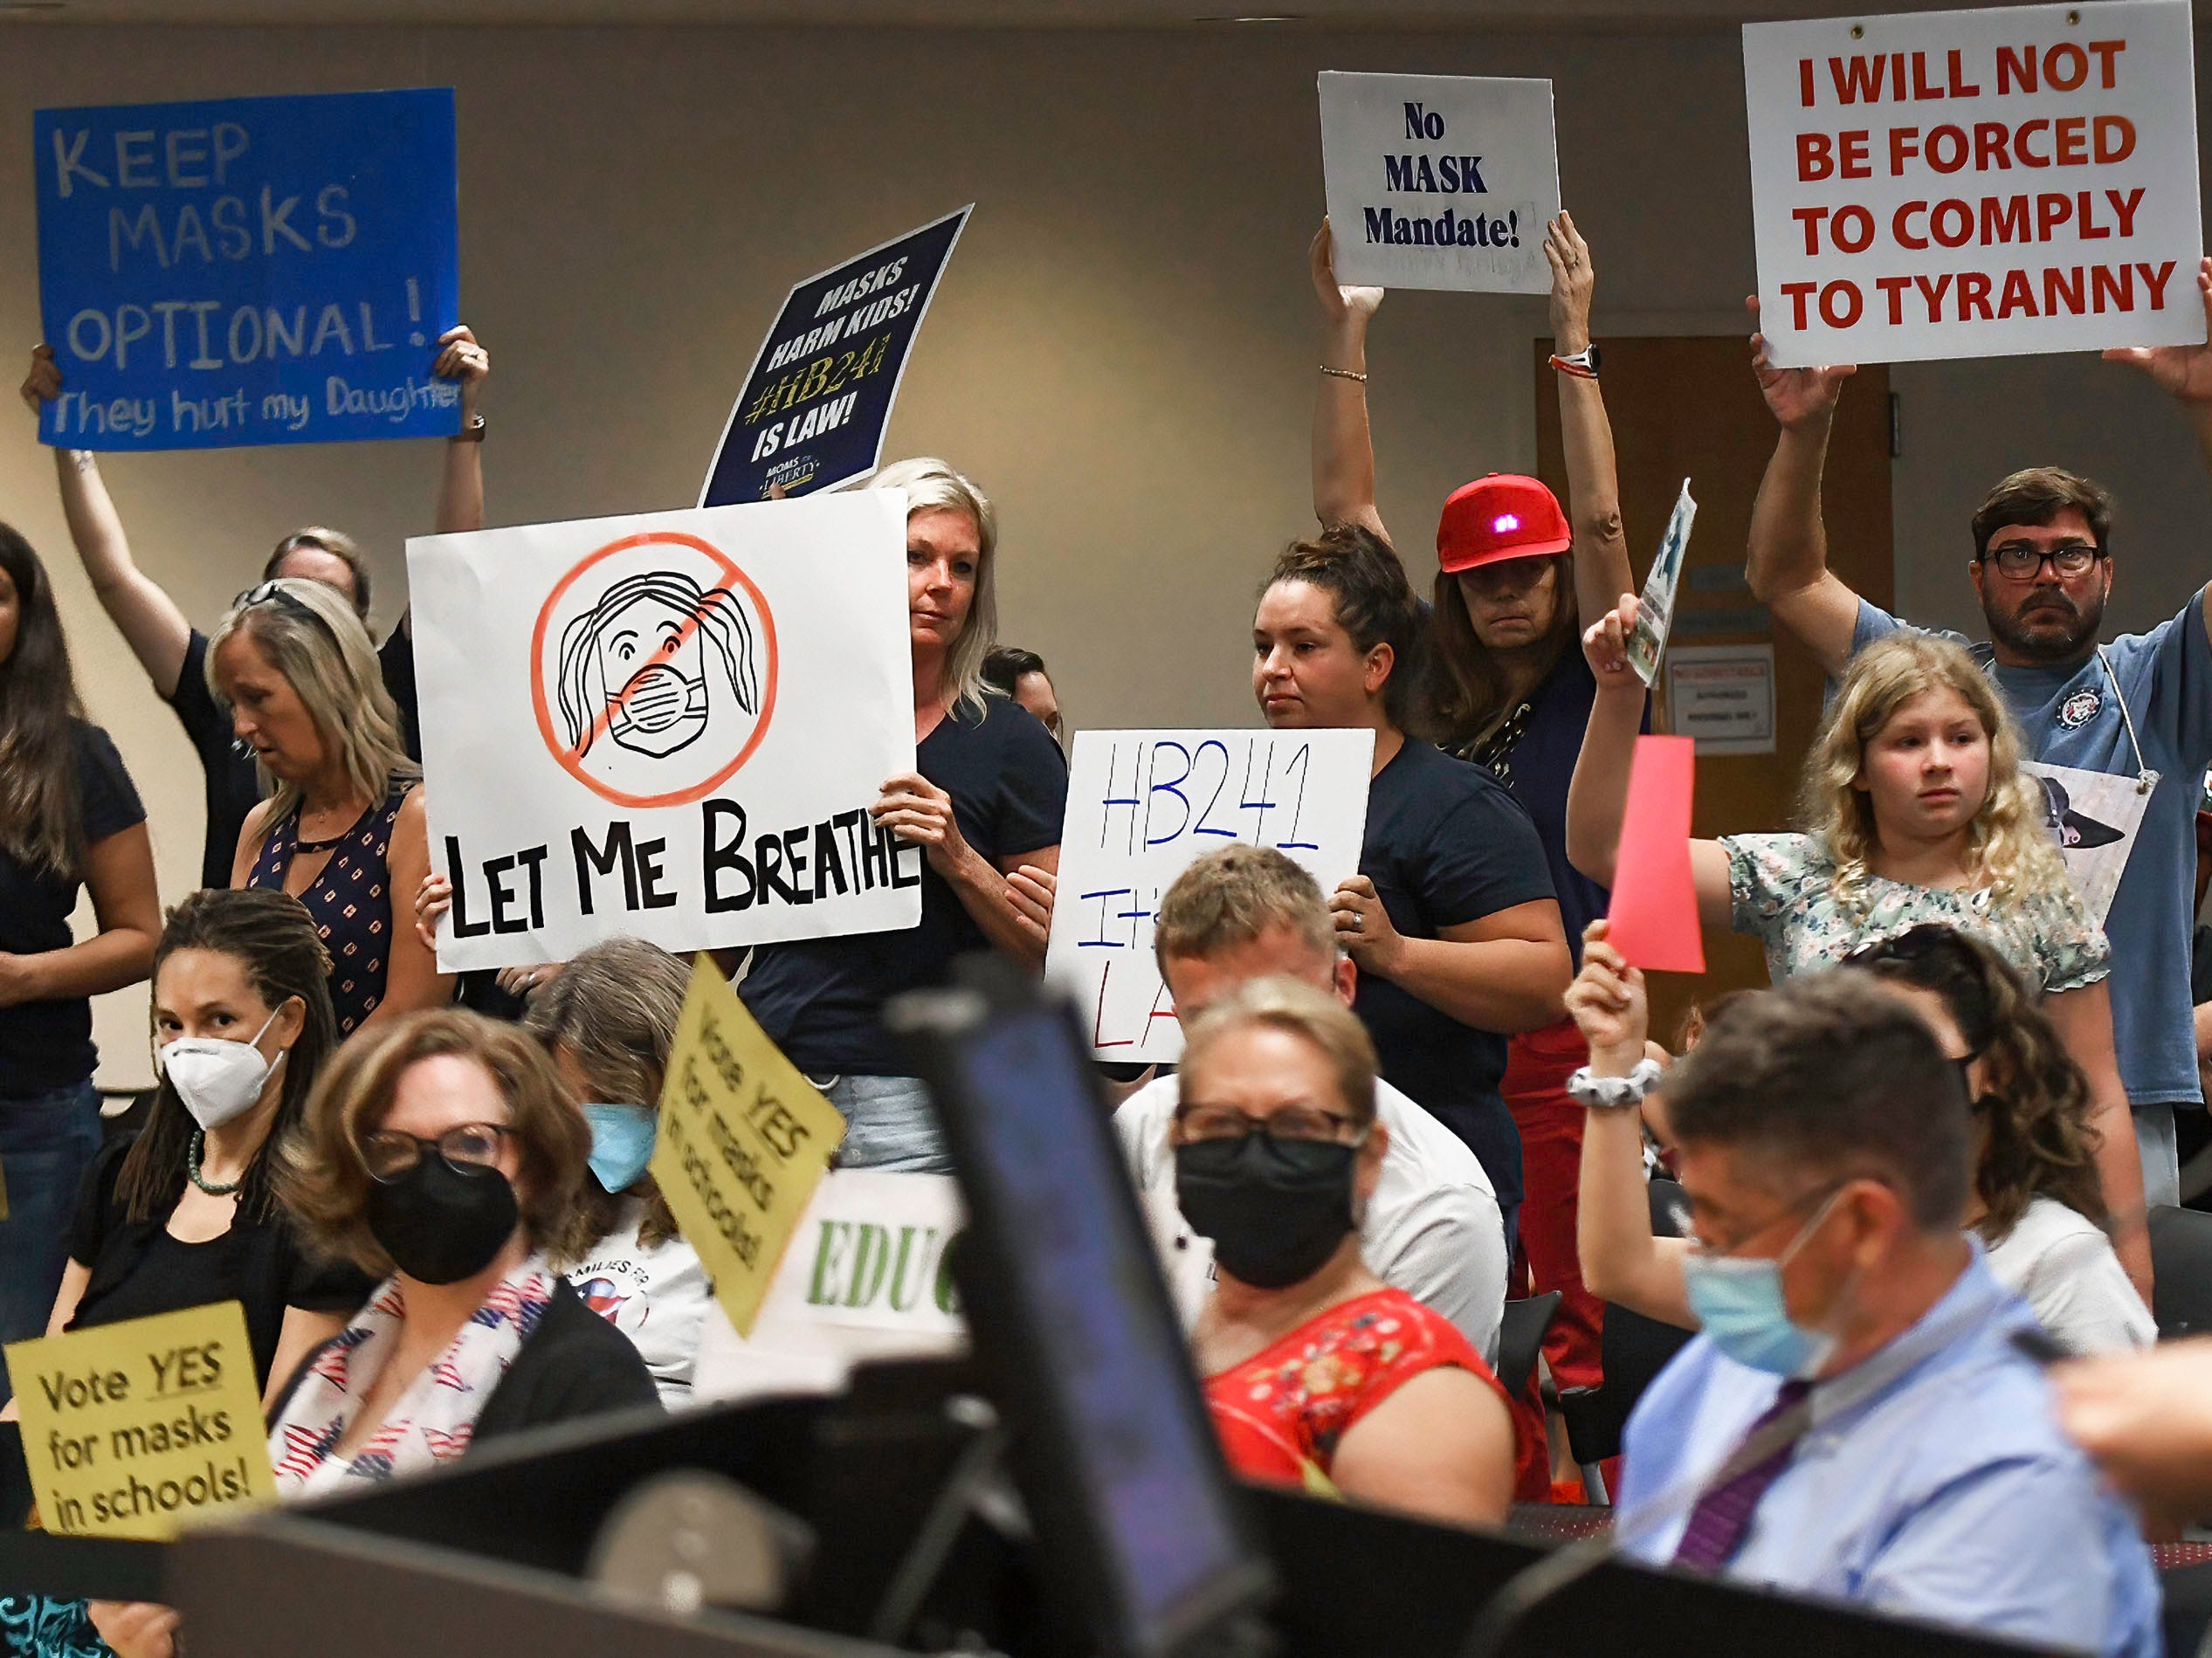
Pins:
x,y
2007,845
323,1180
931,484
1233,894
1297,1008
324,654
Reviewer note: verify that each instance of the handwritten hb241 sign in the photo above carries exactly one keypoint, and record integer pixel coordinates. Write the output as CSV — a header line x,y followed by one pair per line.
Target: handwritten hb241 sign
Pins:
x,y
140,1429
1141,806
1976,183
669,726
1440,181
815,406
249,271
744,1140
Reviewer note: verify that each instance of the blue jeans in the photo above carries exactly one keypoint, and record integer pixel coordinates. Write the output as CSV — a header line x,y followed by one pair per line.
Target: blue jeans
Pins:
x,y
46,1143
889,1124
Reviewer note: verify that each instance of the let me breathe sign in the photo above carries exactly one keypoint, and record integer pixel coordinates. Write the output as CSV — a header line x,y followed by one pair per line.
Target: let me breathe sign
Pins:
x,y
669,726
1976,183
248,271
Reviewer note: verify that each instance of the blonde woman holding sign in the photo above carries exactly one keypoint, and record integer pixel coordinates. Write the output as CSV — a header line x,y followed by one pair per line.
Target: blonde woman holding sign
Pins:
x,y
983,804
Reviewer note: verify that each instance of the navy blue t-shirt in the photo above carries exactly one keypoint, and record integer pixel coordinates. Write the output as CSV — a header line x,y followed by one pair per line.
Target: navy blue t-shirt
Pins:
x,y
47,1046
1446,844
1540,766
821,999
231,786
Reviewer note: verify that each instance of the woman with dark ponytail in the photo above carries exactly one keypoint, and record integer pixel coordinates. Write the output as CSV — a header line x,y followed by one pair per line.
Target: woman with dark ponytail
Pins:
x,y
183,1214
70,821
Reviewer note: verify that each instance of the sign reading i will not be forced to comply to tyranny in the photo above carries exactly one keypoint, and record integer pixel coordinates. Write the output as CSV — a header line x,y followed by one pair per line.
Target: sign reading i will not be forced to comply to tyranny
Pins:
x,y
818,398
744,1141
1440,181
248,270
1976,183
142,1429
669,726
1141,806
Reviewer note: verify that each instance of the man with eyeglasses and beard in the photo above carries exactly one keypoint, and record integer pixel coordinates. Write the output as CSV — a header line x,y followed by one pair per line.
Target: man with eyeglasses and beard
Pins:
x,y
2139,707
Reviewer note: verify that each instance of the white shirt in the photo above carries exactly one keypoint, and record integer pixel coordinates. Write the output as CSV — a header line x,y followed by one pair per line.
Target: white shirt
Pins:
x,y
658,1297
2063,1267
1432,1229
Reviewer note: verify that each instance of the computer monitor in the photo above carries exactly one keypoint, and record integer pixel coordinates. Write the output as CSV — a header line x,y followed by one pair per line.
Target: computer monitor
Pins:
x,y
1129,1493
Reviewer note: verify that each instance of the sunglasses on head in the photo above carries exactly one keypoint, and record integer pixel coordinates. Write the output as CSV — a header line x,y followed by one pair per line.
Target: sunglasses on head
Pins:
x,y
272,592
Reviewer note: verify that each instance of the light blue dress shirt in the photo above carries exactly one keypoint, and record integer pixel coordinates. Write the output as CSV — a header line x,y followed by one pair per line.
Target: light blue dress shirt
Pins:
x,y
1933,1483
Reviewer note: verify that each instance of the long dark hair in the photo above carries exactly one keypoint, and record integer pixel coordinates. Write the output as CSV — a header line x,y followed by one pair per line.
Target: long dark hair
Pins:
x,y
1373,602
42,816
1466,688
2035,1101
271,937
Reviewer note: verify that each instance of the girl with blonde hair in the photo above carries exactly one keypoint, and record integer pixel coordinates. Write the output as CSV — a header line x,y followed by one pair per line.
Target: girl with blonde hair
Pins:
x,y
1915,811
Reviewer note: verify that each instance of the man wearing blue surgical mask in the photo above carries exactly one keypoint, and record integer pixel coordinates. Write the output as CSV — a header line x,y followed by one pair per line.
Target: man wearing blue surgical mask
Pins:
x,y
1858,1420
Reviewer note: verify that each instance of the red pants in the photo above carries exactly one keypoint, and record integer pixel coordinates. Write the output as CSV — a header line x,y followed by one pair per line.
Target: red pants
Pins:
x,y
1551,1163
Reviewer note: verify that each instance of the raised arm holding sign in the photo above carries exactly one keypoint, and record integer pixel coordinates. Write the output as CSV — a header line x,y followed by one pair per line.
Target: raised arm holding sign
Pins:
x,y
248,271
1974,183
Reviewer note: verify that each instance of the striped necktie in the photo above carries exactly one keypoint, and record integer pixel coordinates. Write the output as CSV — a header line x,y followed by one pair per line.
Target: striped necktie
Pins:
x,y
1723,1514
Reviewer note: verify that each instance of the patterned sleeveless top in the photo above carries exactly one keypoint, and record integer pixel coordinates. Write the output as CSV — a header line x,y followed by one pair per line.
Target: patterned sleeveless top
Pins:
x,y
1280,1414
350,901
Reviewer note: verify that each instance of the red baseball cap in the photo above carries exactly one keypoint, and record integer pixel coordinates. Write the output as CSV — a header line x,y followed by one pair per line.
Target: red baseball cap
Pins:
x,y
1498,517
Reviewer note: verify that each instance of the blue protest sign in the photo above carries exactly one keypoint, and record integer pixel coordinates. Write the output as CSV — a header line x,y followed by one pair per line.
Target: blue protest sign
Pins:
x,y
248,270
815,406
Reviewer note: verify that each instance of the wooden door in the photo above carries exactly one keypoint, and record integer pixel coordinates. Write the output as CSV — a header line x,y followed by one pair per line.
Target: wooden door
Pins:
x,y
1690,407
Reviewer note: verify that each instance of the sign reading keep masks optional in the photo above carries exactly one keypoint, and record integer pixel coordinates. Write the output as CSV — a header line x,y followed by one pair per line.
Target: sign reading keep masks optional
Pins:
x,y
248,270
1440,181
1142,805
1976,183
668,727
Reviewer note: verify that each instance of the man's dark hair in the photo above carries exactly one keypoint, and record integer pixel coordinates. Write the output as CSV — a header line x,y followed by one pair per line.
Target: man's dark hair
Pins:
x,y
1373,601
2038,495
1830,1076
1003,668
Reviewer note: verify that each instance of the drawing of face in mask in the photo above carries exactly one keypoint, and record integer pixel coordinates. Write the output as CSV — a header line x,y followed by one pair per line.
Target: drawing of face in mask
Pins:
x,y
646,664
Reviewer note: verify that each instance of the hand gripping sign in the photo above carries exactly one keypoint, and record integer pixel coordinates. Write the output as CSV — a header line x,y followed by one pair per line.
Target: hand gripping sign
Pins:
x,y
670,726
1976,183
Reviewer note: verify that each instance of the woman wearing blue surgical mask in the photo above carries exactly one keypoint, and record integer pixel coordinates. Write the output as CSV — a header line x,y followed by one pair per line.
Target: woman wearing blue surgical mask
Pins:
x,y
609,1021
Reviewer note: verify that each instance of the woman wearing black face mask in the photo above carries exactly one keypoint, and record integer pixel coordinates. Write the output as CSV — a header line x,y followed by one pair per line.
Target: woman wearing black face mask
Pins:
x,y
1318,1373
444,1152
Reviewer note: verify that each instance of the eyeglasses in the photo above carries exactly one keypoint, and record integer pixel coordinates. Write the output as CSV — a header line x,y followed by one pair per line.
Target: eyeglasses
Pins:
x,y
1202,1122
1796,1207
470,1149
2023,560
272,592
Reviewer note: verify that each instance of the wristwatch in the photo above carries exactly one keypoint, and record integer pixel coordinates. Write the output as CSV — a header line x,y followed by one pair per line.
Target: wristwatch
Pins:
x,y
472,431
1582,364
1614,1093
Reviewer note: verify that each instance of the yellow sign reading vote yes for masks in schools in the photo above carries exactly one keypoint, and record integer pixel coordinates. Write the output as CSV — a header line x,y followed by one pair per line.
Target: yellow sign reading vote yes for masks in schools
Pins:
x,y
744,1140
142,1428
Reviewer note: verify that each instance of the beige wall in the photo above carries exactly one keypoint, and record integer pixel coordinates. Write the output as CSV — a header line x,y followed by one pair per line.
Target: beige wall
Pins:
x,y
1123,352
